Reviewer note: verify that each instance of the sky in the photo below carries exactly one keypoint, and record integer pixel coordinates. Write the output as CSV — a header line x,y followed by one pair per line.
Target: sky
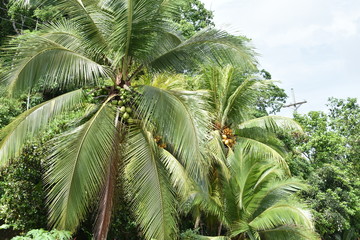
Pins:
x,y
312,46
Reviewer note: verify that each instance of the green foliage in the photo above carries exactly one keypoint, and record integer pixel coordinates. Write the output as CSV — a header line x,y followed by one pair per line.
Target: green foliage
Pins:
x,y
16,18
22,195
21,17
123,224
6,27
47,14
9,109
41,234
86,137
327,157
271,100
12,107
194,17
190,235
335,197
21,191
116,41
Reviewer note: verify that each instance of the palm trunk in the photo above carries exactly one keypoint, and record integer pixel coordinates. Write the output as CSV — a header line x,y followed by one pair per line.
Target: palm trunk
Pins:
x,y
219,229
197,222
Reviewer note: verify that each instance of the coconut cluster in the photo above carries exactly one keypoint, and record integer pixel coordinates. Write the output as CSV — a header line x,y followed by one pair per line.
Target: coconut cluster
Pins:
x,y
126,103
159,141
228,137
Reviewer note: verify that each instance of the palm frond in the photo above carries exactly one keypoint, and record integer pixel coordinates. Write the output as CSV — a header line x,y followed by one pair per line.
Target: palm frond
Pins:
x,y
218,81
210,203
178,174
263,136
37,58
272,124
78,166
207,46
30,123
281,214
87,14
233,93
151,193
164,81
70,34
289,233
245,171
261,196
137,27
271,192
182,121
239,227
259,150
241,99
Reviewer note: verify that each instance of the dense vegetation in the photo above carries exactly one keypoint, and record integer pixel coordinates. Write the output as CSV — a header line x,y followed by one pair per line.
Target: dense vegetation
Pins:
x,y
106,133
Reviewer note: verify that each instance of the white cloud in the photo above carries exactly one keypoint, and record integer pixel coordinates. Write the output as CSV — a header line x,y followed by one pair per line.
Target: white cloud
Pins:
x,y
312,46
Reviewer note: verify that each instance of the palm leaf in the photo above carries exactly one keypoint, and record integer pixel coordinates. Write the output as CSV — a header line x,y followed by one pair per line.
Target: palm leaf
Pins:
x,y
182,120
261,196
70,34
272,124
241,98
50,61
30,123
271,192
263,136
289,233
233,93
261,150
166,81
151,193
79,162
209,203
216,152
137,27
207,46
282,214
178,174
84,12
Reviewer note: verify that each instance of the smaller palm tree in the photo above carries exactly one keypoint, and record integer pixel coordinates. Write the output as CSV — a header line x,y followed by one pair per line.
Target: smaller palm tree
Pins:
x,y
257,201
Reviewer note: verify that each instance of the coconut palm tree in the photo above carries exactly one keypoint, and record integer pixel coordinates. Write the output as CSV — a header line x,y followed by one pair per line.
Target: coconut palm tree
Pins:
x,y
232,96
105,45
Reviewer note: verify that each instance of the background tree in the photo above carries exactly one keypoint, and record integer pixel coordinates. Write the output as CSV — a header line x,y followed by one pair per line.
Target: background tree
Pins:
x,y
331,167
193,18
271,99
